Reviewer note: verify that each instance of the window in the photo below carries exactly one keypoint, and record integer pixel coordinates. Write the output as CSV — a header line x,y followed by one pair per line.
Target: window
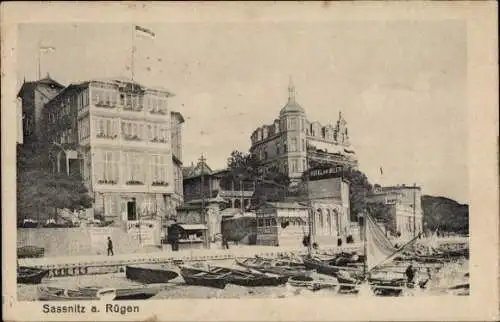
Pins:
x,y
159,170
304,145
293,124
293,145
158,133
105,128
131,102
294,166
107,167
277,148
104,97
134,170
132,131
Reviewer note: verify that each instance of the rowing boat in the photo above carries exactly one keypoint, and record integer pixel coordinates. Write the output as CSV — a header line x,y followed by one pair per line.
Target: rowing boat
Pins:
x,y
30,275
129,293
193,276
150,273
50,293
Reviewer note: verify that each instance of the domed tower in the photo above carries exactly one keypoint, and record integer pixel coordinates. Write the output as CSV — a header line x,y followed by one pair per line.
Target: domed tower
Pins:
x,y
293,123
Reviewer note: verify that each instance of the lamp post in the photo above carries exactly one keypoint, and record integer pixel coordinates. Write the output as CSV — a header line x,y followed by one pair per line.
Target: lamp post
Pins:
x,y
138,221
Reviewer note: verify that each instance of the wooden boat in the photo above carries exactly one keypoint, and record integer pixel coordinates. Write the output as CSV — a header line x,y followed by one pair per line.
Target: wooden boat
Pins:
x,y
30,252
49,293
266,267
150,273
326,267
193,277
129,293
249,278
283,261
311,282
29,275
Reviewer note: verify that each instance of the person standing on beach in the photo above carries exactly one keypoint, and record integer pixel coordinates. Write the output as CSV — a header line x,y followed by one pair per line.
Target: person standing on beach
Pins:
x,y
110,247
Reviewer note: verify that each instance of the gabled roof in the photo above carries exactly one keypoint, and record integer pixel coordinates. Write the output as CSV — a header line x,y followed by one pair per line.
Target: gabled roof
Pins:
x,y
196,171
47,81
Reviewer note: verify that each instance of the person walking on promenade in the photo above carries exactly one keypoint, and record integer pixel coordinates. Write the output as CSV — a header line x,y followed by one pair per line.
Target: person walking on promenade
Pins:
x,y
110,247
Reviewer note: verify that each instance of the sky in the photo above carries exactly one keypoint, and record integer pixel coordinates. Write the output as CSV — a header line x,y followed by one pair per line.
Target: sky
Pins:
x,y
400,85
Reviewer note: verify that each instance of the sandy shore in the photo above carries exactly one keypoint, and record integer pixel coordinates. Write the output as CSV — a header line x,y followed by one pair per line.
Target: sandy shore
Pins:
x,y
176,289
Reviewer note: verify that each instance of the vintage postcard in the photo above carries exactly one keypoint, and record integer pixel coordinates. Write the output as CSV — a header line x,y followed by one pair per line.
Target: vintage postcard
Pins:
x,y
260,161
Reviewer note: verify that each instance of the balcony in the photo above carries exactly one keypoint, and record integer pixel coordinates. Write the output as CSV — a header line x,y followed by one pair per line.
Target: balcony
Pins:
x,y
132,108
105,104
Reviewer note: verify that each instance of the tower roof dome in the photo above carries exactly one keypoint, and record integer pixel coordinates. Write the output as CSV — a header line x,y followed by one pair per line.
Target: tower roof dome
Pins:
x,y
291,106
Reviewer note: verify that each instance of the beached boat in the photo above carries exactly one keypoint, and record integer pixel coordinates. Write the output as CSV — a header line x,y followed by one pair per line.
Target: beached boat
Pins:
x,y
283,261
150,273
30,252
267,267
312,283
326,267
128,293
249,278
193,276
29,275
49,293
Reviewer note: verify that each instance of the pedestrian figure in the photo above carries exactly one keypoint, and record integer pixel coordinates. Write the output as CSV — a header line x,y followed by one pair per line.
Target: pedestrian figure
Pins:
x,y
410,274
339,241
110,247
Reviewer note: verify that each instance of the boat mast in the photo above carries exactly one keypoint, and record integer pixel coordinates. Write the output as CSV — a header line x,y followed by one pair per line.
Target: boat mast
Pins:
x,y
309,216
414,212
365,264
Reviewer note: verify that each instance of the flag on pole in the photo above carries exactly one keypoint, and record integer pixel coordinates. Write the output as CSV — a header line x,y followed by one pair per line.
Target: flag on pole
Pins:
x,y
144,32
47,49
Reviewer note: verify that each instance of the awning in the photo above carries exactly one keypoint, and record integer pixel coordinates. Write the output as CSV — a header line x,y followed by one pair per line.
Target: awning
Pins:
x,y
193,226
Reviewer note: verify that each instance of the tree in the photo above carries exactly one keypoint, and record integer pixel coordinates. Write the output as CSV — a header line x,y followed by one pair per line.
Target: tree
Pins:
x,y
445,214
270,185
381,212
40,192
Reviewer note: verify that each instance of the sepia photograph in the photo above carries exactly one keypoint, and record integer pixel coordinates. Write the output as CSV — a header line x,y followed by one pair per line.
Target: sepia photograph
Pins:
x,y
244,159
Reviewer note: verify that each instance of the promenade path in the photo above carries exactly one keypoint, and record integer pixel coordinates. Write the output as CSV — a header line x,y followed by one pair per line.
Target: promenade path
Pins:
x,y
99,264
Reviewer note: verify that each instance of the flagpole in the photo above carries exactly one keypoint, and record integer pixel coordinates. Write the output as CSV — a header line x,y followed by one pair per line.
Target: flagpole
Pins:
x,y
132,53
39,64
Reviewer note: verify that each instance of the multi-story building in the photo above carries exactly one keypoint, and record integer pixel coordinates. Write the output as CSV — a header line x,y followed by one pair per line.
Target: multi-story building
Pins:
x,y
125,141
292,142
33,96
405,207
235,195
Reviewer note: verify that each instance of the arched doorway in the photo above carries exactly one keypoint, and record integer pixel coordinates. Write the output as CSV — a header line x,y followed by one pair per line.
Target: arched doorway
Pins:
x,y
237,203
329,221
336,219
320,220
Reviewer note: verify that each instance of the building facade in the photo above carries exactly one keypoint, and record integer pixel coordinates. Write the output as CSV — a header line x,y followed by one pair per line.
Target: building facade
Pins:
x,y
236,195
33,96
291,143
329,200
405,207
125,142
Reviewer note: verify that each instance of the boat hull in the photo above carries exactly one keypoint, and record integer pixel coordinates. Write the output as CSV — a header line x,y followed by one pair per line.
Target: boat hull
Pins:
x,y
133,293
28,275
150,274
191,277
48,293
277,270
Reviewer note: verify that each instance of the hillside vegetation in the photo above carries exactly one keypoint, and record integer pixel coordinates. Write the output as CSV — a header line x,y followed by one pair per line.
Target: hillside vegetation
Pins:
x,y
445,214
